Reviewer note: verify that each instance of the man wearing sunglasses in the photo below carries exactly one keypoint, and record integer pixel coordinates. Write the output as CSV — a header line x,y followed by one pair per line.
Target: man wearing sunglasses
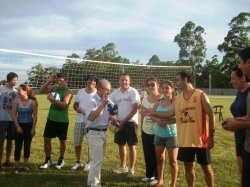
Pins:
x,y
59,95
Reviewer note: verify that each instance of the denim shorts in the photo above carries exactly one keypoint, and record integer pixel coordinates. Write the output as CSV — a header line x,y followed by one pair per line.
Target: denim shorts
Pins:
x,y
168,142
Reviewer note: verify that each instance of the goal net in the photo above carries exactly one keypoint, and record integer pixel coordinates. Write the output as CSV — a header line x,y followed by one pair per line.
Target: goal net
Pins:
x,y
35,68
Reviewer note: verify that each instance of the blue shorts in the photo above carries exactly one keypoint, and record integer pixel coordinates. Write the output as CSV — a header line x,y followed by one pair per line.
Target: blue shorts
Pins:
x,y
7,130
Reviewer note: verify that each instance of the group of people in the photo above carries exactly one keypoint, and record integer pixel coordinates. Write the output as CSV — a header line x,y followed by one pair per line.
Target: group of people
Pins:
x,y
177,125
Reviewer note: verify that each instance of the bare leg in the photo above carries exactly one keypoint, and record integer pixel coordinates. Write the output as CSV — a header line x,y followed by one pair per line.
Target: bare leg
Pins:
x,y
8,150
172,155
123,155
78,150
160,156
189,173
62,147
1,151
208,174
47,146
132,156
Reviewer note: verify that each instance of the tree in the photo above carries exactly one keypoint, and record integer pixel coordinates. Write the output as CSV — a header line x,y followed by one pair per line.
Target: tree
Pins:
x,y
38,74
192,45
106,53
154,60
213,68
70,58
237,38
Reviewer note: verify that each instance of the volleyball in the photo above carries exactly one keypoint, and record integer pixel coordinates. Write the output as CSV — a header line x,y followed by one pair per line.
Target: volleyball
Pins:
x,y
113,109
56,96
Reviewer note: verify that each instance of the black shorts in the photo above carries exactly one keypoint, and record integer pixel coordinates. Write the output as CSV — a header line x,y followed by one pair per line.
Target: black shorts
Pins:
x,y
7,130
239,149
128,134
187,154
56,129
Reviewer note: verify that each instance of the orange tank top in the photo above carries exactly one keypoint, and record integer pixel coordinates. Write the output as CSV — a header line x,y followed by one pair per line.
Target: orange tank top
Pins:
x,y
191,120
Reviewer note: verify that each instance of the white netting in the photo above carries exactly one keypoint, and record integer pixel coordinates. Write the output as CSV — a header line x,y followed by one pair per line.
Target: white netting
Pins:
x,y
25,64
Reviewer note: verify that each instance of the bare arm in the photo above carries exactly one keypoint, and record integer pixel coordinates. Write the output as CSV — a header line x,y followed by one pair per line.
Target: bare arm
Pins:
x,y
76,107
130,115
209,111
95,113
46,88
14,116
34,109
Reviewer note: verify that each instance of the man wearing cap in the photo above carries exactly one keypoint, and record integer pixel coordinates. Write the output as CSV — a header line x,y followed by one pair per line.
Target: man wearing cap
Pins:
x,y
98,119
83,96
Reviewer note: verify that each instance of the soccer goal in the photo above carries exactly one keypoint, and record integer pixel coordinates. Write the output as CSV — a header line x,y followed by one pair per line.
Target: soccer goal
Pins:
x,y
34,69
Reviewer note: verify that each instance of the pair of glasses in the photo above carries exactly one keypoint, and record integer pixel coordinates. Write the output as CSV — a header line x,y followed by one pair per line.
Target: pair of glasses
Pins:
x,y
152,85
106,89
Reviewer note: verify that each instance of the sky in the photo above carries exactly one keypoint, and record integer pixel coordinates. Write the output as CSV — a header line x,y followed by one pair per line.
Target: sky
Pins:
x,y
139,28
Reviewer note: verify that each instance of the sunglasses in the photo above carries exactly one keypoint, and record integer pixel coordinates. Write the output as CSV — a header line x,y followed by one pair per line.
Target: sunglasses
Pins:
x,y
151,85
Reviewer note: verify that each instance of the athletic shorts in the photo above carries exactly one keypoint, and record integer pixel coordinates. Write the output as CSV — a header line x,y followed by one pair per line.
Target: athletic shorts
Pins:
x,y
128,134
79,131
7,130
239,149
187,154
167,142
56,129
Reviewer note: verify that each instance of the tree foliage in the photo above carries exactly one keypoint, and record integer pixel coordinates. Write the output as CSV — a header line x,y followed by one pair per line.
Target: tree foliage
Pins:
x,y
237,38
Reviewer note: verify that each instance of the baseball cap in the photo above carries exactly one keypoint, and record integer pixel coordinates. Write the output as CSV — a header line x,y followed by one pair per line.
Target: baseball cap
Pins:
x,y
91,76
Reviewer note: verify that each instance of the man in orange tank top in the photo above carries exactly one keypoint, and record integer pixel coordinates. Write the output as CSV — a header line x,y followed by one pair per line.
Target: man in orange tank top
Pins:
x,y
195,133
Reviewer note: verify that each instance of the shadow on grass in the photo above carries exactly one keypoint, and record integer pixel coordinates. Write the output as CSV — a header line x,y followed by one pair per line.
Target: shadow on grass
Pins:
x,y
65,177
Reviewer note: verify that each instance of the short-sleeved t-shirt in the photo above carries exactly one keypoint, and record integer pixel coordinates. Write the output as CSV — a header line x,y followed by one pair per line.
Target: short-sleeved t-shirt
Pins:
x,y
124,101
82,97
6,98
148,124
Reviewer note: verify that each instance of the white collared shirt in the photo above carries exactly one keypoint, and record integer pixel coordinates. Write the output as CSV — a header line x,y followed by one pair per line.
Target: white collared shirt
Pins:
x,y
102,120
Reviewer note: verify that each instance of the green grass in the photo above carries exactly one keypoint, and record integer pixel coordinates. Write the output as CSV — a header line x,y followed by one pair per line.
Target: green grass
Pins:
x,y
223,159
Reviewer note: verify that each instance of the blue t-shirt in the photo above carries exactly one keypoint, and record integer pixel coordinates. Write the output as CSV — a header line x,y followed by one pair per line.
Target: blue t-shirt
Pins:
x,y
239,109
24,114
168,130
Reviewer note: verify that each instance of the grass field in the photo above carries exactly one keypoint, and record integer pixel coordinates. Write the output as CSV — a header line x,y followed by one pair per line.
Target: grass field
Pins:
x,y
223,159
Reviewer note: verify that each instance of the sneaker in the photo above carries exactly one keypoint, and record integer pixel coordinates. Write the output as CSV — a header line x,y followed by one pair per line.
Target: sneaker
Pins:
x,y
121,170
77,165
131,173
8,163
16,170
146,179
46,164
155,183
60,163
87,166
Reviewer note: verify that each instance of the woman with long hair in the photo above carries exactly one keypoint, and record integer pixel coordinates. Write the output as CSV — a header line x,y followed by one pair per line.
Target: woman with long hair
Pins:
x,y
24,112
166,135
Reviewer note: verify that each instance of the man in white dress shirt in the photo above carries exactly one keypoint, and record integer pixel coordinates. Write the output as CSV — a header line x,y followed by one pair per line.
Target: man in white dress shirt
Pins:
x,y
98,120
